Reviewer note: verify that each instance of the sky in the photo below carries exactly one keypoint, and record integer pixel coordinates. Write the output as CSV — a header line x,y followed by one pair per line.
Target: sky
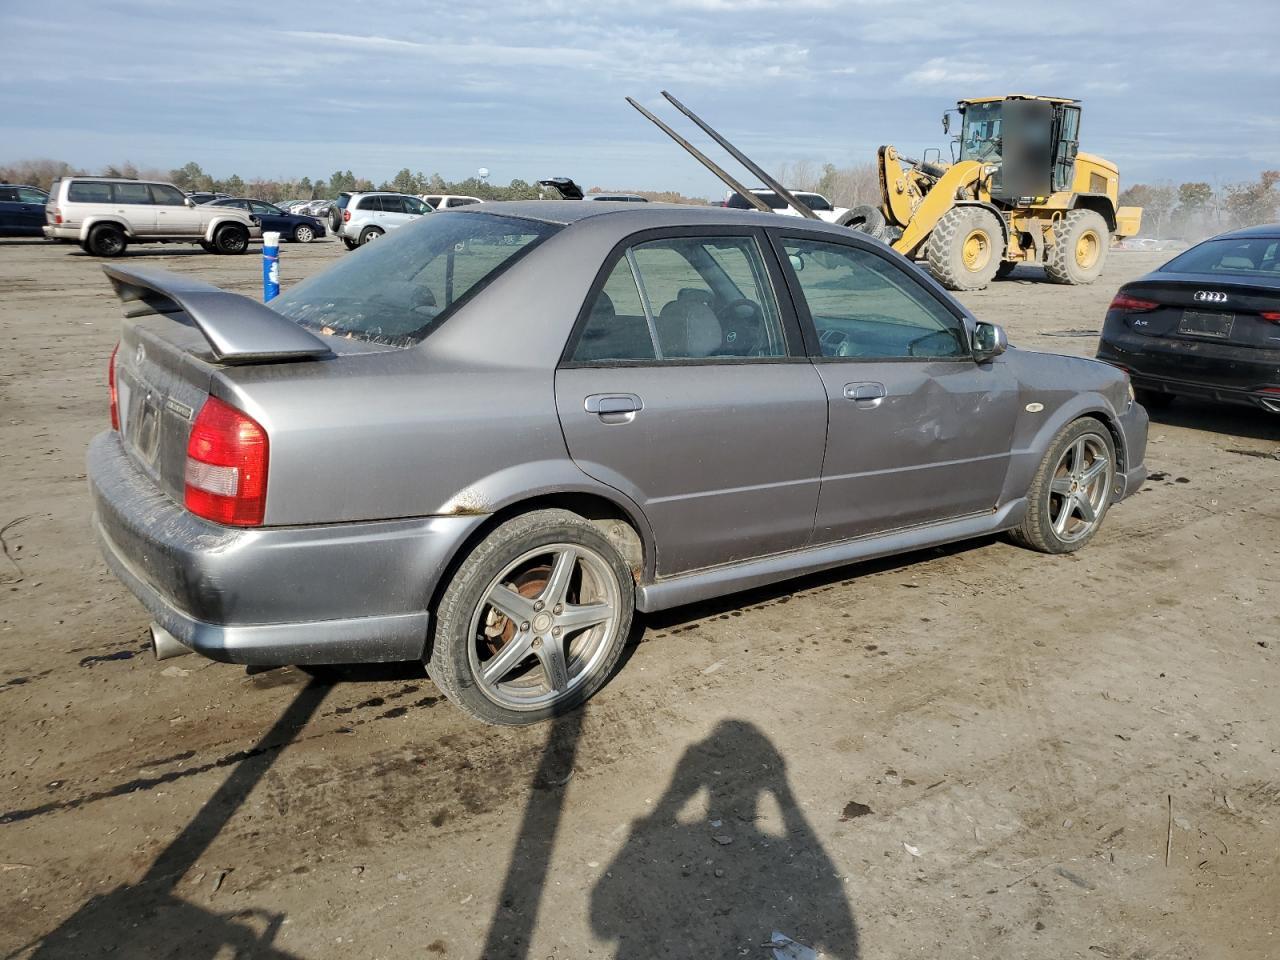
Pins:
x,y
1172,90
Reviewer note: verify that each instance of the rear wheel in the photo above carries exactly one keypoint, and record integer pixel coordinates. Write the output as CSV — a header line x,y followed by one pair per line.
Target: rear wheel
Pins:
x,y
534,621
965,248
208,247
303,233
107,240
369,234
1071,490
1079,249
350,244
231,238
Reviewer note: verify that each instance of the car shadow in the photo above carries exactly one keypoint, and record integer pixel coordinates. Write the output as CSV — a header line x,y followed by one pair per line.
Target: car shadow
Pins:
x,y
1231,419
148,918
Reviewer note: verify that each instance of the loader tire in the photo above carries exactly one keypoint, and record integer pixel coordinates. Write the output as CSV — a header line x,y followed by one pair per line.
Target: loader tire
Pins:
x,y
1079,248
865,219
964,248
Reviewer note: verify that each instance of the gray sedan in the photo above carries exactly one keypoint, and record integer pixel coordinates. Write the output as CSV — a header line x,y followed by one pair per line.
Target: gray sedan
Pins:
x,y
488,439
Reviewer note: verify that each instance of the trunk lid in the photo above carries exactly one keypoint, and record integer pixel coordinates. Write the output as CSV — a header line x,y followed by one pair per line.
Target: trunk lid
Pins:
x,y
1207,309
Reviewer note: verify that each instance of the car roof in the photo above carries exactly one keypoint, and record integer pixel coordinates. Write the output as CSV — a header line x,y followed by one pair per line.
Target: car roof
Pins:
x,y
1261,230
641,216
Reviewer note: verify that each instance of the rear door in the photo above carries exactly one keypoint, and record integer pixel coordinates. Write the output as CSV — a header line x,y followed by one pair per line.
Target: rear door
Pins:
x,y
133,201
919,432
685,387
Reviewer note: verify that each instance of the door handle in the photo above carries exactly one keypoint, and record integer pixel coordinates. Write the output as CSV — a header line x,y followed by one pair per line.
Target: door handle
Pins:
x,y
866,395
615,405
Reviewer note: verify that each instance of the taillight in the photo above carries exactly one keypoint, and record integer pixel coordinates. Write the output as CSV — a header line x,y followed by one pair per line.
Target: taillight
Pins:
x,y
1272,315
346,216
226,475
1130,304
111,388
57,214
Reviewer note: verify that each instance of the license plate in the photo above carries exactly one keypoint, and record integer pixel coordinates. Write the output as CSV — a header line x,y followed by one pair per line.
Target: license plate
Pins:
x,y
144,431
1216,325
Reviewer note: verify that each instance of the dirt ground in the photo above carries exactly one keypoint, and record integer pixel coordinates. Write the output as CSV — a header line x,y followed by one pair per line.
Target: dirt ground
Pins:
x,y
967,752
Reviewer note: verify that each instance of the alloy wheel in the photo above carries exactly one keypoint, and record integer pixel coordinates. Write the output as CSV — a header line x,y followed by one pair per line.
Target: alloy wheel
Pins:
x,y
1080,487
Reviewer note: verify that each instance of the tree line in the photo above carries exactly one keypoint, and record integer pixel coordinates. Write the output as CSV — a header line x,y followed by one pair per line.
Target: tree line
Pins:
x,y
1194,210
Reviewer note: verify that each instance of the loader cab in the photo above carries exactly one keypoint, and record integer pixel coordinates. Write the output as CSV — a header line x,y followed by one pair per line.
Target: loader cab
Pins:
x,y
1032,142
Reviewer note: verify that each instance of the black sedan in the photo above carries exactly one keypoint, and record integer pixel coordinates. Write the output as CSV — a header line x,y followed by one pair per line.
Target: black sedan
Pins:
x,y
1206,324
290,226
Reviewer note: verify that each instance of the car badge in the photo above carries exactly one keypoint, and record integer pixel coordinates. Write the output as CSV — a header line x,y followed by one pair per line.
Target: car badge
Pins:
x,y
140,355
1210,296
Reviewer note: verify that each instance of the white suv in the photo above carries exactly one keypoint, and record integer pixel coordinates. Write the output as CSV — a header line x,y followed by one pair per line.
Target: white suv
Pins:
x,y
814,201
361,217
106,214
448,201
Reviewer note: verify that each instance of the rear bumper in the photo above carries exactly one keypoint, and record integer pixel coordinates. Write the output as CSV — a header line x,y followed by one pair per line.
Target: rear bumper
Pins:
x,y
1211,371
341,593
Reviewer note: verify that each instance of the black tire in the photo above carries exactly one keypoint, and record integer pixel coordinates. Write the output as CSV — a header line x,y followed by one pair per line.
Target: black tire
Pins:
x,y
866,219
208,247
1153,399
369,234
457,644
231,238
107,240
1079,248
965,248
303,233
1006,268
350,244
1037,530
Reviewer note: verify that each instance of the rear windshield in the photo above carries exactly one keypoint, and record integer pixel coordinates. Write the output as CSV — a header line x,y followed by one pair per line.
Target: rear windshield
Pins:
x,y
399,289
1252,256
813,201
343,200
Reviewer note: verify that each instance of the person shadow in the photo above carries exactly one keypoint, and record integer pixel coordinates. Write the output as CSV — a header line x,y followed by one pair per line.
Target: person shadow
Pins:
x,y
720,884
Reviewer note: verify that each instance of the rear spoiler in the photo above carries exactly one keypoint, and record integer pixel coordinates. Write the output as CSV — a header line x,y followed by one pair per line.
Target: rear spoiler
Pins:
x,y
238,329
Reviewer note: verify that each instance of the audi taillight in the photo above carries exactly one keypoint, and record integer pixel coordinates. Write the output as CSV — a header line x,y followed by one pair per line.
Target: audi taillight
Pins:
x,y
346,216
111,388
226,475
1129,304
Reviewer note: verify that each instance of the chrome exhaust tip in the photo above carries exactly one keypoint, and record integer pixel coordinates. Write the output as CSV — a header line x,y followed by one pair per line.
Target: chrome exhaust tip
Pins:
x,y
1272,406
165,645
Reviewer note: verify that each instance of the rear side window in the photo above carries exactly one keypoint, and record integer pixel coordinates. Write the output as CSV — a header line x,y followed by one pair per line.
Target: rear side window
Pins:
x,y
685,298
8,193
88,191
866,308
371,203
401,288
132,193
167,195
1253,256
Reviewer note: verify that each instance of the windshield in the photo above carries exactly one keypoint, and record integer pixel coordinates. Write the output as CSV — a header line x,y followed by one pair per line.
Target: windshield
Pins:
x,y
980,139
399,289
1253,256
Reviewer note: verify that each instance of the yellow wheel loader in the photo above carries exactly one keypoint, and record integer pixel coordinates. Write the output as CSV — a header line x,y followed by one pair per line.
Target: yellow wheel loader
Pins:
x,y
1018,190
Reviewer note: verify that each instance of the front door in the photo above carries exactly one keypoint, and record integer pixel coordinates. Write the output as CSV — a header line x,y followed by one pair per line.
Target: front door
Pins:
x,y
919,432
685,388
173,217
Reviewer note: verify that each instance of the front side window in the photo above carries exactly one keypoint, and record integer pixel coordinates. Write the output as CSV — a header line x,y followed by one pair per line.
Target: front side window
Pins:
x,y
685,298
31,195
257,206
414,205
401,288
167,195
865,307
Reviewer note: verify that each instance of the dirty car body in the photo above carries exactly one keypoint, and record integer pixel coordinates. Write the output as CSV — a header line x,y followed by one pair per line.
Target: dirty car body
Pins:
x,y
698,391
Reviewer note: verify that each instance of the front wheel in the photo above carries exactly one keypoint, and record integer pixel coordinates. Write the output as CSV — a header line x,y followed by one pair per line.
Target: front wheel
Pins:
x,y
303,233
1071,490
534,621
231,238
965,248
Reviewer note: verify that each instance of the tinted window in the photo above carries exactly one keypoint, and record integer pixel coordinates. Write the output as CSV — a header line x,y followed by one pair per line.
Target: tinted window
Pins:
x,y
433,202
370,203
865,307
167,195
687,298
414,205
342,201
257,206
8,193
398,290
814,201
89,191
462,202
1250,256
132,193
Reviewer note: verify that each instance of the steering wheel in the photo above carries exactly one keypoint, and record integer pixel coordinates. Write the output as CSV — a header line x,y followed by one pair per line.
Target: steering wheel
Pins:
x,y
742,326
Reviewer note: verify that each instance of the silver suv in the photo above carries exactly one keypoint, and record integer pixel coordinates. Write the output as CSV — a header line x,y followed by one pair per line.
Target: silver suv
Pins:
x,y
106,214
360,217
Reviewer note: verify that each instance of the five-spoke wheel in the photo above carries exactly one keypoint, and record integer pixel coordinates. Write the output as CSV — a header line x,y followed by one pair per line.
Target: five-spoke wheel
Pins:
x,y
1071,490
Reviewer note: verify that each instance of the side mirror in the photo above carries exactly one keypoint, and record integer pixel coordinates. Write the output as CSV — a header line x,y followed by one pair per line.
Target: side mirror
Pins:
x,y
188,201
989,341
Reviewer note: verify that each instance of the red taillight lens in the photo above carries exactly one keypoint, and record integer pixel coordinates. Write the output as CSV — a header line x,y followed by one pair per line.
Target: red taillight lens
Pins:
x,y
346,216
111,388
226,476
1129,304
57,215
1272,315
